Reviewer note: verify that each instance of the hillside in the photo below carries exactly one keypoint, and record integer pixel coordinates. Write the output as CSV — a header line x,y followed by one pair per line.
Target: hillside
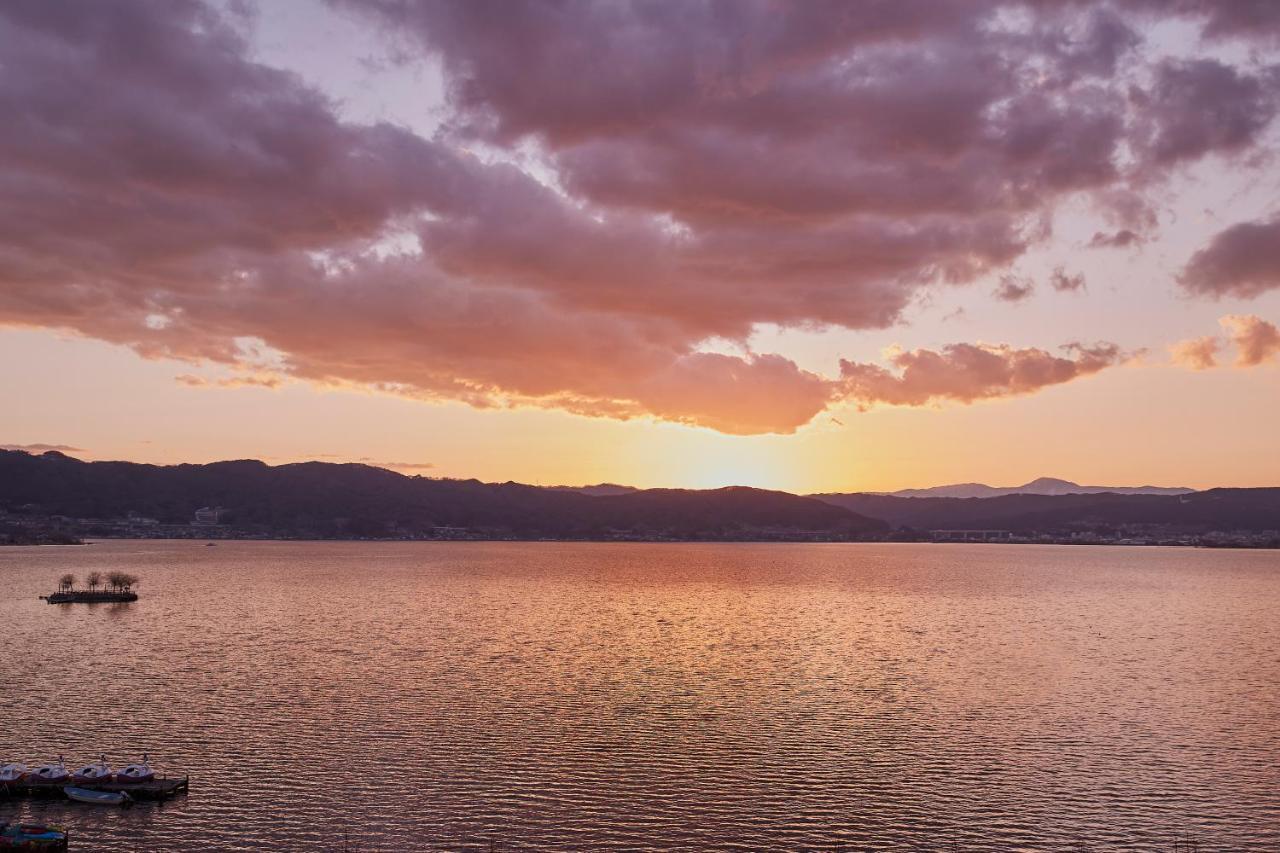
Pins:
x,y
330,500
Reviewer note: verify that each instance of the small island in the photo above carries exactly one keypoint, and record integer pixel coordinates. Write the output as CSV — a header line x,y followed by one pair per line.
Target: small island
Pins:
x,y
115,587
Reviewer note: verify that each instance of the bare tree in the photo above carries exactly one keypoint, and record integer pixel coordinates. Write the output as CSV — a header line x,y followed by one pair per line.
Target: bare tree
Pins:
x,y
94,579
66,582
122,581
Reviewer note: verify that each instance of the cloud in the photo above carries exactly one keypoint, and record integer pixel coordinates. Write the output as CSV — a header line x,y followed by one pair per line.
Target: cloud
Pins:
x,y
1063,282
43,448
1013,288
1196,353
1242,260
1249,19
246,381
649,178
1202,106
965,373
1122,239
405,466
1257,341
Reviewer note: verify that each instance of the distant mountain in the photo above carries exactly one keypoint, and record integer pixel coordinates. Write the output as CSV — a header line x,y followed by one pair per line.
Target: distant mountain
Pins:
x,y
1040,486
324,500
1249,510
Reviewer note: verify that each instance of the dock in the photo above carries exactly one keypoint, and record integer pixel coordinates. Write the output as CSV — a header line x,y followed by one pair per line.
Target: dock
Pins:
x,y
156,789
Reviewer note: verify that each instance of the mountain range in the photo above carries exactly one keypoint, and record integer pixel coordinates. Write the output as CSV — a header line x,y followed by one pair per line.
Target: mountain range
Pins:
x,y
1040,486
326,500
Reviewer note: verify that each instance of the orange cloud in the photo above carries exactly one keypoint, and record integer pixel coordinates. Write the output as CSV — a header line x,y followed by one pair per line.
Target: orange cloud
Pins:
x,y
1257,341
247,381
1196,353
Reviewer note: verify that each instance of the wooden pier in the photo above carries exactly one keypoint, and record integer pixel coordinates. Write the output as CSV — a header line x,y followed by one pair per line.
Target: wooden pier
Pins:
x,y
156,789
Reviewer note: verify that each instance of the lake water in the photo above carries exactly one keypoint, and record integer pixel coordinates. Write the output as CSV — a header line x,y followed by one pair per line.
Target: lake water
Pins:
x,y
455,696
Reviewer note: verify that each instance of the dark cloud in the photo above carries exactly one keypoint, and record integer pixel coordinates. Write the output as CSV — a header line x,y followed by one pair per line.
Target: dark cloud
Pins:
x,y
43,448
1122,239
1242,260
1063,282
1247,19
1014,288
1201,106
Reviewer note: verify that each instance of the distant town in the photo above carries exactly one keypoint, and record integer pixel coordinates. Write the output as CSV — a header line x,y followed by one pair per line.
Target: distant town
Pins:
x,y
22,528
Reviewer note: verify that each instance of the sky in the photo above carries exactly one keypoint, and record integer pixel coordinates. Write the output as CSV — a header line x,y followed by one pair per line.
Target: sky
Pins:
x,y
807,246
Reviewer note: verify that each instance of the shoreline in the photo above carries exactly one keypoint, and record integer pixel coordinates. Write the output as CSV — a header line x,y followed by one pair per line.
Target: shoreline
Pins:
x,y
656,541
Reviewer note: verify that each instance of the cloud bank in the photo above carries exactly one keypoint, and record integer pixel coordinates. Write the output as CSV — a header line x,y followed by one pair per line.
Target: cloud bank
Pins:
x,y
698,169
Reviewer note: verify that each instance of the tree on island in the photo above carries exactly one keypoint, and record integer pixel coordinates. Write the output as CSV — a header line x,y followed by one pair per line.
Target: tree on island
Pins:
x,y
122,581
66,582
93,580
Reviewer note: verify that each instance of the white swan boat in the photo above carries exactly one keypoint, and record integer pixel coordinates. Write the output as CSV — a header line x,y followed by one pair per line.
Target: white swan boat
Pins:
x,y
94,773
12,773
50,773
133,774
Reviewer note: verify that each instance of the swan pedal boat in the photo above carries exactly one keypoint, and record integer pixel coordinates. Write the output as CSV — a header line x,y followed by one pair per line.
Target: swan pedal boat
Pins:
x,y
30,836
92,774
97,798
49,773
135,774
11,774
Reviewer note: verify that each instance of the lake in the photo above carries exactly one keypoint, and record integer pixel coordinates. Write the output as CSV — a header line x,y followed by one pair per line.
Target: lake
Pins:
x,y
522,696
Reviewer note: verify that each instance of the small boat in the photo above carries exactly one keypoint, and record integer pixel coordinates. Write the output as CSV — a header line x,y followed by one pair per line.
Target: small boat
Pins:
x,y
31,836
135,774
98,798
49,773
11,774
93,774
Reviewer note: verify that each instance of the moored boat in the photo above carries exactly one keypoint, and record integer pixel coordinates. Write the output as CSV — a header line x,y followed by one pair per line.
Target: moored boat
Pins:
x,y
13,773
31,836
97,798
134,774
93,774
49,773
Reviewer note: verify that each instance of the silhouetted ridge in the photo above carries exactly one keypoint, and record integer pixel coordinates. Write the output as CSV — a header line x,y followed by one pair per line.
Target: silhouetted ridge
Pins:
x,y
339,500
1215,509
1038,486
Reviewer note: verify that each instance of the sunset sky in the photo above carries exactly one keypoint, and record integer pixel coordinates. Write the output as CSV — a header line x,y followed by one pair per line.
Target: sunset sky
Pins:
x,y
810,246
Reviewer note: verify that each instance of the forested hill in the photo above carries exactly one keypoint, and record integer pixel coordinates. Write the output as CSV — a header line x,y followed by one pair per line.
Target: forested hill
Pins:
x,y
325,499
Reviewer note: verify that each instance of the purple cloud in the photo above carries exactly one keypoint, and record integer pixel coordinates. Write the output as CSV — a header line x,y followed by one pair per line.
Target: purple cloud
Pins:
x,y
1242,260
713,168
